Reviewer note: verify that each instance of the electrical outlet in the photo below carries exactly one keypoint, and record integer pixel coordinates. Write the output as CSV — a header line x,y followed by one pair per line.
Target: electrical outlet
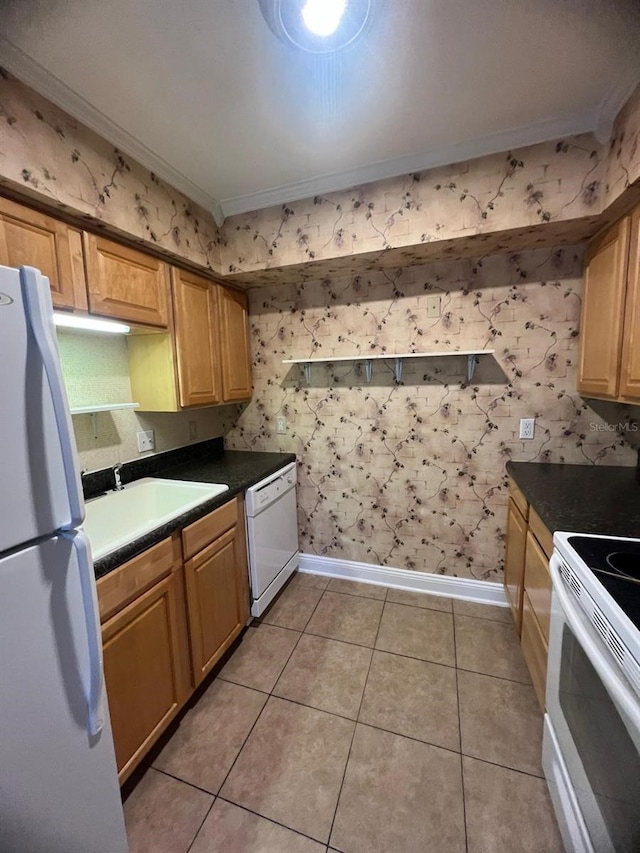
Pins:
x,y
433,306
281,425
146,441
527,428
193,430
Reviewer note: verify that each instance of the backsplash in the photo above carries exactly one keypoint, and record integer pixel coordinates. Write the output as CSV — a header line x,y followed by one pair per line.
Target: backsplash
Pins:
x,y
95,368
413,475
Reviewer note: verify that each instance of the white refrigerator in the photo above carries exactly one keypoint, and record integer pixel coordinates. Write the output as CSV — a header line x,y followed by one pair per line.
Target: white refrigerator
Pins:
x,y
59,788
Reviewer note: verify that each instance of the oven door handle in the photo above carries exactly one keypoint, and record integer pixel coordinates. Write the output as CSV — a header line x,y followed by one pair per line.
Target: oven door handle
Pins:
x,y
617,687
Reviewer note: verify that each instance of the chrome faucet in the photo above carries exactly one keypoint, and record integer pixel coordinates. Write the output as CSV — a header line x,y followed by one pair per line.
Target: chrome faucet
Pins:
x,y
116,476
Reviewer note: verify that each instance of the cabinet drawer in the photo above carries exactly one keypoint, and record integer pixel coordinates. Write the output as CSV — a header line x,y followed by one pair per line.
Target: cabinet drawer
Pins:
x,y
541,532
120,587
202,532
518,498
537,582
534,649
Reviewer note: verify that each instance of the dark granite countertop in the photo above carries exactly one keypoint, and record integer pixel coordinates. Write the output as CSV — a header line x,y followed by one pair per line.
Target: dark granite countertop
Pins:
x,y
206,462
581,498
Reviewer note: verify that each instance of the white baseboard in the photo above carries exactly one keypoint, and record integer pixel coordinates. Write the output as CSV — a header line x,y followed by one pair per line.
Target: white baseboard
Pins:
x,y
481,592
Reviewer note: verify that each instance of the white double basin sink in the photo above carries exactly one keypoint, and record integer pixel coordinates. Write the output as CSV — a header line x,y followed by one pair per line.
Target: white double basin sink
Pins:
x,y
117,518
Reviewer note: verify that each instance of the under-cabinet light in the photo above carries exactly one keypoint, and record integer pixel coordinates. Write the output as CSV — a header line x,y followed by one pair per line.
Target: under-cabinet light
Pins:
x,y
89,324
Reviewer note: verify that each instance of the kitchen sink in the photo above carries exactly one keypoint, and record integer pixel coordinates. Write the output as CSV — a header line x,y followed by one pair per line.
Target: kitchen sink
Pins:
x,y
117,518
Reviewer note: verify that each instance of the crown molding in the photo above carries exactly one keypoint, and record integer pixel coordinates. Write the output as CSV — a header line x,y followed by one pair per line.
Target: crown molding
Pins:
x,y
519,137
617,96
30,72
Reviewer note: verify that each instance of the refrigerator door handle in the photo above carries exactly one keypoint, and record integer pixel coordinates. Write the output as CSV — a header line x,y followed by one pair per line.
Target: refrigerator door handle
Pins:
x,y
95,705
39,310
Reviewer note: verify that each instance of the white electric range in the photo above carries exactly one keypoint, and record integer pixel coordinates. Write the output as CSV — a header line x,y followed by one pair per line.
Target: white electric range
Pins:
x,y
591,751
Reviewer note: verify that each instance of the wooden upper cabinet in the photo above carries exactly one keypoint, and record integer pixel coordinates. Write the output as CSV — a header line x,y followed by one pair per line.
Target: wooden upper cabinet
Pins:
x,y
126,284
603,301
31,238
197,343
235,349
630,367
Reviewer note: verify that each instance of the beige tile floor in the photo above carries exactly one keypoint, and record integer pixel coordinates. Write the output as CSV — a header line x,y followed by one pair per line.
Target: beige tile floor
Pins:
x,y
357,719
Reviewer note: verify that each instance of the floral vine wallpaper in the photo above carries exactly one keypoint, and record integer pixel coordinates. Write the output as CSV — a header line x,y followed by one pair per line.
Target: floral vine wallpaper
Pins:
x,y
412,475
50,156
547,194
552,182
623,160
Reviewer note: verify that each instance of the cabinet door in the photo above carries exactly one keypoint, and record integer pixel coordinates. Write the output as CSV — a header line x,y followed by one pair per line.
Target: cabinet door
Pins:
x,y
514,561
602,313
146,670
215,592
126,284
197,344
236,355
30,238
630,372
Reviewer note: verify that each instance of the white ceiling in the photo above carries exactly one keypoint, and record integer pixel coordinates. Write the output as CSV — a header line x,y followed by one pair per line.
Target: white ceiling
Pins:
x,y
202,92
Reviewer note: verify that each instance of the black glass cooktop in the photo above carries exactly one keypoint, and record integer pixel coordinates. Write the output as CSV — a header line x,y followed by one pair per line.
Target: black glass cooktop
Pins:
x,y
616,564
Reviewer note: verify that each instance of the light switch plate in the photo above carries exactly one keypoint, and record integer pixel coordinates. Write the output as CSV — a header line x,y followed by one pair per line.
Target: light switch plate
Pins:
x,y
527,428
146,441
281,425
433,306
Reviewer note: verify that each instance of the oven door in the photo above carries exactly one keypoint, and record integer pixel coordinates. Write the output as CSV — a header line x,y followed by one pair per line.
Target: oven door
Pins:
x,y
594,714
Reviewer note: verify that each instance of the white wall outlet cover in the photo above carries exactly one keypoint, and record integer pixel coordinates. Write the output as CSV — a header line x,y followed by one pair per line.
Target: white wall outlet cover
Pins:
x,y
527,428
146,441
193,430
281,425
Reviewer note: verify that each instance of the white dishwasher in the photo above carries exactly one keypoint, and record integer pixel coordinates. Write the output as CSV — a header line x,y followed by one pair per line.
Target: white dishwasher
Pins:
x,y
272,535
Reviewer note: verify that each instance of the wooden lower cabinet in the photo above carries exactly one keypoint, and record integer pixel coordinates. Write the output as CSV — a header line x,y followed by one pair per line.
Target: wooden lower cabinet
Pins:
x,y
537,582
527,581
146,669
217,599
514,561
535,649
165,625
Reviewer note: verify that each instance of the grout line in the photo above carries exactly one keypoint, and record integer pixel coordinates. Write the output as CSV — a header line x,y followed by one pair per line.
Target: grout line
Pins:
x,y
464,804
504,766
185,782
193,841
271,820
387,652
244,742
355,728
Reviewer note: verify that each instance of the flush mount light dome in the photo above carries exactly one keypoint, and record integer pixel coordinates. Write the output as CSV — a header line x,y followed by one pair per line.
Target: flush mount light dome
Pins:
x,y
318,26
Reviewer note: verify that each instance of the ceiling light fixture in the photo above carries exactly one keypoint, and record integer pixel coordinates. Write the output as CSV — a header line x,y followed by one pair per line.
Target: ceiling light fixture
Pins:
x,y
89,324
323,17
317,26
